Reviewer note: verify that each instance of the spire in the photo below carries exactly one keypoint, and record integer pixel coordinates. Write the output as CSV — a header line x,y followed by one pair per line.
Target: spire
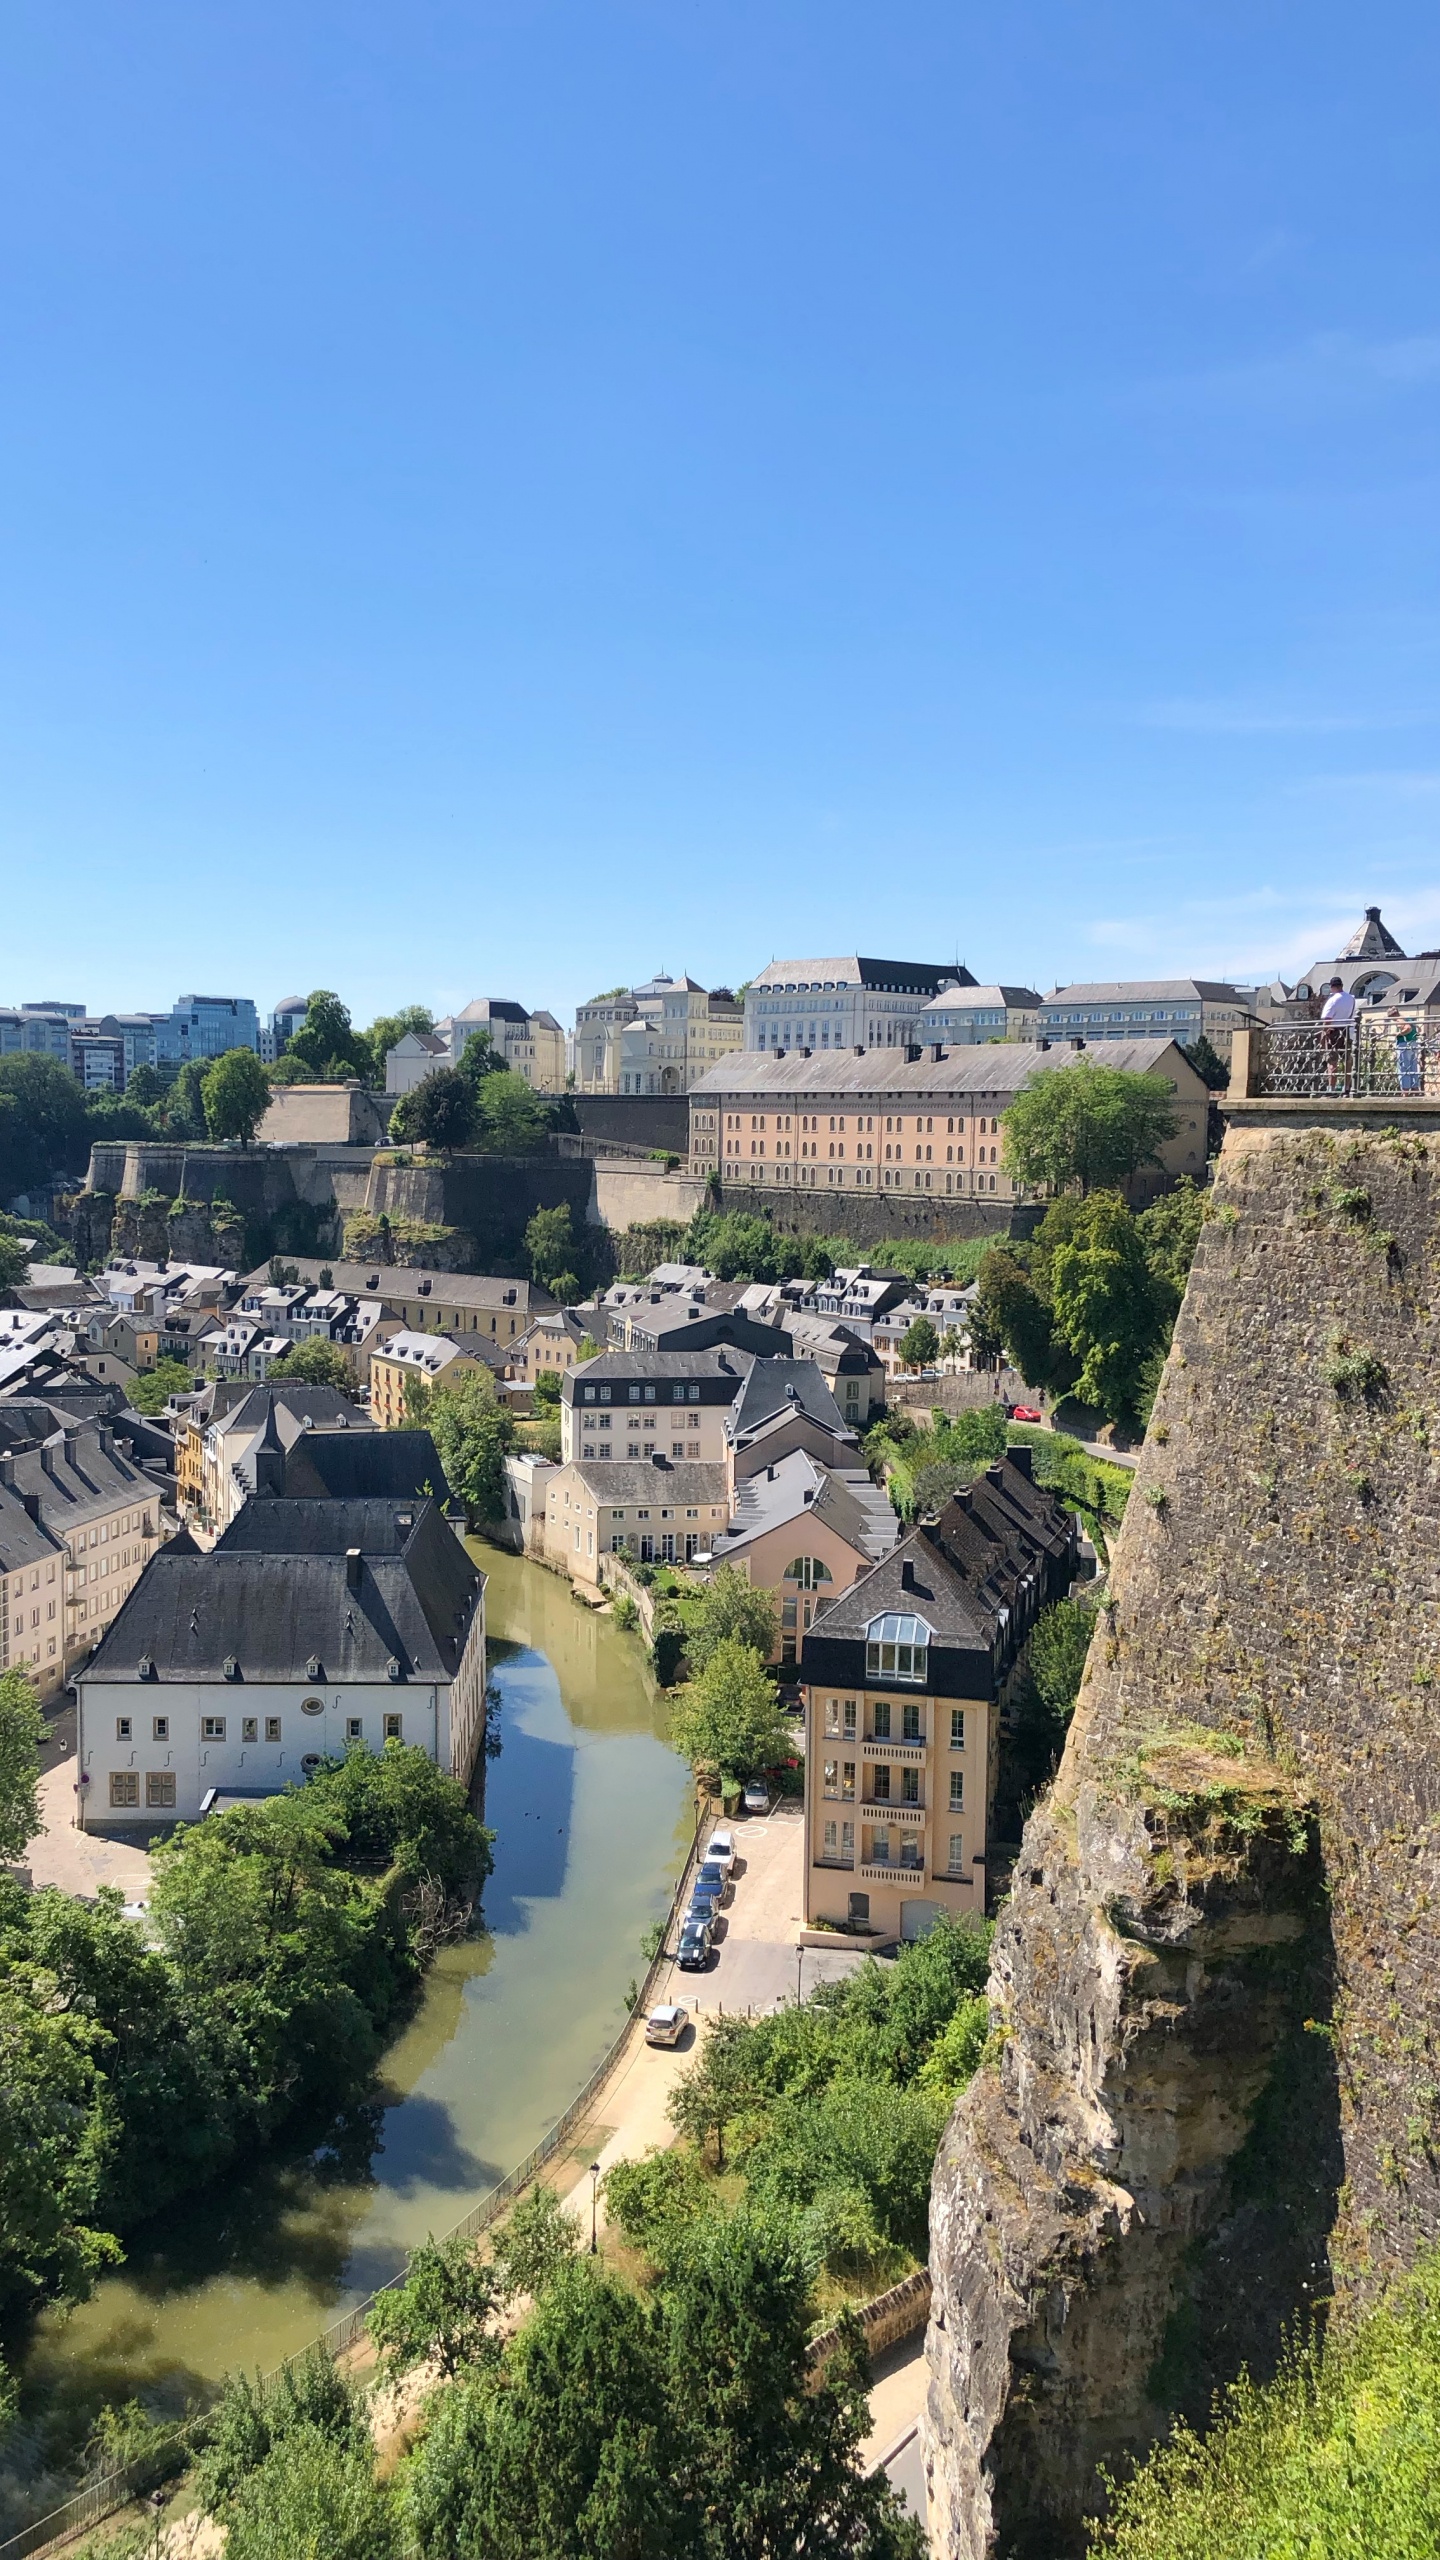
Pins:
x,y
1371,941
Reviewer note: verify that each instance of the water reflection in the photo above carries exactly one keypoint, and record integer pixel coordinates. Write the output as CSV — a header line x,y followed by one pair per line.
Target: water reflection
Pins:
x,y
589,1808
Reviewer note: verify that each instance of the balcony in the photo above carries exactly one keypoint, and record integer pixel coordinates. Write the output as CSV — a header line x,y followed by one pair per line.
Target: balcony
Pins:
x,y
908,1816
910,1752
1363,1061
889,1870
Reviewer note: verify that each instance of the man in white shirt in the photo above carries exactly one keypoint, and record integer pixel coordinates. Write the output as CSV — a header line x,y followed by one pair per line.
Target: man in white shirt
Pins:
x,y
1337,1015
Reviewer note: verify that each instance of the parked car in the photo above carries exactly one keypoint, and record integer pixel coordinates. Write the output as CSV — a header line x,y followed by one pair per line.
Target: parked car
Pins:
x,y
756,1798
720,1850
667,2024
704,1901
712,1871
1026,1413
694,1952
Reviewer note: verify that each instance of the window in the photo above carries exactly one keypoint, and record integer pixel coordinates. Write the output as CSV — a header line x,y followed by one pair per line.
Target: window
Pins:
x,y
832,1715
160,1729
957,1728
354,1729
880,1720
848,1712
957,1854
160,1790
212,1728
910,1722
272,1728
897,1648
847,1780
393,1728
808,1571
249,1730
832,1777
957,1790
909,1786
124,1787
312,1706
880,1787
122,1728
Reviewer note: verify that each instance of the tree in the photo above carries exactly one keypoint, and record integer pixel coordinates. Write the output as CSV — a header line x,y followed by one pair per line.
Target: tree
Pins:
x,y
642,1247
317,1363
313,2499
920,1344
1086,1124
547,1391
326,1044
442,2313
732,1611
152,1392
14,1262
1170,1230
386,1030
442,1110
236,1095
740,1246
186,1117
1059,1643
1013,1311
145,1085
534,2245
1107,1306
1207,1062
46,1128
550,1246
727,1722
480,1057
514,1121
22,1730
472,1431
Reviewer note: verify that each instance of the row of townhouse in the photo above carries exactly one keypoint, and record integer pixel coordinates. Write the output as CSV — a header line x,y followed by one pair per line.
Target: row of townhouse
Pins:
x,y
79,1521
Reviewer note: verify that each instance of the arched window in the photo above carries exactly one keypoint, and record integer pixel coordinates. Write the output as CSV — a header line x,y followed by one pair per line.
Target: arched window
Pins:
x,y
808,1571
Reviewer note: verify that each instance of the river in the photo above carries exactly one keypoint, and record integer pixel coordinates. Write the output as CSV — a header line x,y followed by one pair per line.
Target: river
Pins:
x,y
590,1811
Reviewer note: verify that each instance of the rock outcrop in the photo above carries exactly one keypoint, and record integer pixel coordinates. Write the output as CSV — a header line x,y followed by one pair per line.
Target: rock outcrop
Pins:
x,y
1216,2093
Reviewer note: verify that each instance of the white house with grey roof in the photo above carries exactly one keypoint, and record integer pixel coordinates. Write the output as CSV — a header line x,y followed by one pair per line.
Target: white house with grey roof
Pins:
x,y
314,1628
847,1003
1183,1009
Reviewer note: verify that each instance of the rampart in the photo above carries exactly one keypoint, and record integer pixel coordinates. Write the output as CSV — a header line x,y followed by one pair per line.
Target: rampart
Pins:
x,y
1216,2097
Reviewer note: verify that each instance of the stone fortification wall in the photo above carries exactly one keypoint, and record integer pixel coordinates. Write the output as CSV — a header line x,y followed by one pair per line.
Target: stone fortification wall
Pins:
x,y
1216,2095
875,1219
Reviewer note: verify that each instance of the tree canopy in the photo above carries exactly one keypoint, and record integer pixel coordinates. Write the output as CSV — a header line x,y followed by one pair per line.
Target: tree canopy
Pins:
x,y
1087,1125
236,1094
44,1125
552,1250
732,1610
440,1112
22,1728
327,1047
920,1344
472,1431
728,1719
317,1362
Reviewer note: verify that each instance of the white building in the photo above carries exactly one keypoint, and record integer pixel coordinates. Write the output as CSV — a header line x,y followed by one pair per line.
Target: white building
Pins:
x,y
848,1003
313,1629
532,1046
657,1038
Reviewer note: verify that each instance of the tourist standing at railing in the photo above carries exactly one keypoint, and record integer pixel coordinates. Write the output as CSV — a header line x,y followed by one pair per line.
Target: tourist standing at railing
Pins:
x,y
1407,1056
1337,1021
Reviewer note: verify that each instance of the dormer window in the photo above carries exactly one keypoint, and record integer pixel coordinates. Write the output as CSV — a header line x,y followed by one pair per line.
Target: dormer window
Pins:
x,y
898,1648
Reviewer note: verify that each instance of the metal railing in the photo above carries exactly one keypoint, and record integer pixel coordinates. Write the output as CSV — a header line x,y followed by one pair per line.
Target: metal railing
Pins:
x,y
1357,1061
102,2498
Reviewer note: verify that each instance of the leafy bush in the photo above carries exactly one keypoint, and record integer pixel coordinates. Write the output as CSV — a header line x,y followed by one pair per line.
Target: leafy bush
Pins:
x,y
314,2499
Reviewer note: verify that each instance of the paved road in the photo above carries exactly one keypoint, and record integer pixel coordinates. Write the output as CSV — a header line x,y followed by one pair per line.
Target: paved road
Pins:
x,y
755,1964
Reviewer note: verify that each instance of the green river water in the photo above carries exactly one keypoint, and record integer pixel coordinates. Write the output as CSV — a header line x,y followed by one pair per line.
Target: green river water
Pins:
x,y
590,1809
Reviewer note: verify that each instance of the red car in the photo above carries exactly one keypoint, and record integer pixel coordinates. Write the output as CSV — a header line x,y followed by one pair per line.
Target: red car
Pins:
x,y
1025,1413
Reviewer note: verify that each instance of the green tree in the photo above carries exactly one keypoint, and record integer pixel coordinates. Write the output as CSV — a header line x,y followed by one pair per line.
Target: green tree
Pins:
x,y
251,2420
1169,1231
550,1247
145,1085
14,1262
317,1362
920,1344
731,1610
236,1095
1012,1309
442,2313
186,1117
152,1392
514,1121
1108,1309
534,2245
313,2499
642,1248
740,1246
727,1720
1086,1125
22,1730
56,2128
327,1047
44,1127
1207,1062
442,1110
386,1031
480,1058
547,1392
473,1432
1059,1643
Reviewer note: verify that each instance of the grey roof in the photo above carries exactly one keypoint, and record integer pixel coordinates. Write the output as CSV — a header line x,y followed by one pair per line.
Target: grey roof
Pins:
x,y
617,1480
446,1289
798,1488
999,1067
1371,940
971,998
724,1361
323,1408
386,1465
964,1569
777,1387
83,1481
297,1525
273,1611
1148,991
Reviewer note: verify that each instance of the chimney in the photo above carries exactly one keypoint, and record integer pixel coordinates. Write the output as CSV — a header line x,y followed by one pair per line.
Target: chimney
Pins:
x,y
995,1474
907,1575
1022,1457
859,1052
937,1051
107,1440
47,1456
912,1054
1077,1044
32,1504
7,1471
352,1568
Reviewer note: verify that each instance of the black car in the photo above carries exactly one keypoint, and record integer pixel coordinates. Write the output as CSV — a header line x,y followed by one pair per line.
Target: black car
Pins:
x,y
704,1903
694,1954
712,1874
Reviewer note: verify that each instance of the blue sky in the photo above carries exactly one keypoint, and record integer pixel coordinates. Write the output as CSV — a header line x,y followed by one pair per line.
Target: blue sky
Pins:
x,y
499,498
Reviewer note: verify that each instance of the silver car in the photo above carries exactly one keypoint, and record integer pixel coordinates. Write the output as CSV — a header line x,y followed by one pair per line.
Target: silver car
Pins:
x,y
667,2024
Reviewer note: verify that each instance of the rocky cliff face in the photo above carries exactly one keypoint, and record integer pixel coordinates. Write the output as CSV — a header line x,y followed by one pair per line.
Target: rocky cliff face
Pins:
x,y
1217,2087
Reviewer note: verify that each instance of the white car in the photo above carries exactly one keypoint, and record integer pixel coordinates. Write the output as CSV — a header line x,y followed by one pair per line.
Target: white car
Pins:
x,y
757,1797
720,1848
667,2024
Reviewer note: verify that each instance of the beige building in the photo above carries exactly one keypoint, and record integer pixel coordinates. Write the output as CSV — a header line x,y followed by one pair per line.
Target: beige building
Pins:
x,y
231,1433
1185,1009
79,1522
554,1343
906,1677
967,1016
654,1511
805,1530
532,1045
885,1120
437,1360
657,1038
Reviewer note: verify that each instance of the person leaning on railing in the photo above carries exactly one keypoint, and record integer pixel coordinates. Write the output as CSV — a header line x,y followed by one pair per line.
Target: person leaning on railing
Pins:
x,y
1337,1019
1407,1055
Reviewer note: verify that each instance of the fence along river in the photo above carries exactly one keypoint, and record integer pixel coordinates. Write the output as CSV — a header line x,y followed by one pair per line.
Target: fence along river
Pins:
x,y
592,1815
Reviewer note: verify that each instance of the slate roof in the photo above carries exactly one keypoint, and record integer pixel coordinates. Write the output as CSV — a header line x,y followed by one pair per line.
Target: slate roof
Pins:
x,y
388,1465
611,1368
447,1288
626,1480
798,1488
996,1553
989,1068
1146,991
274,1610
777,1387
905,977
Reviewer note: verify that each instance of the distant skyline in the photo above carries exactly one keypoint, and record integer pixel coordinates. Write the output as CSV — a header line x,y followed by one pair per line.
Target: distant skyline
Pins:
x,y
504,495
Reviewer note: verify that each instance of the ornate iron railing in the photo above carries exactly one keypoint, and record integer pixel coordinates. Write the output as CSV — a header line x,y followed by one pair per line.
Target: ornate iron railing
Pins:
x,y
1358,1061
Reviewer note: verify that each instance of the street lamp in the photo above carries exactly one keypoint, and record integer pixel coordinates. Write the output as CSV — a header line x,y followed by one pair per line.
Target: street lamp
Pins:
x,y
799,1969
594,2204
